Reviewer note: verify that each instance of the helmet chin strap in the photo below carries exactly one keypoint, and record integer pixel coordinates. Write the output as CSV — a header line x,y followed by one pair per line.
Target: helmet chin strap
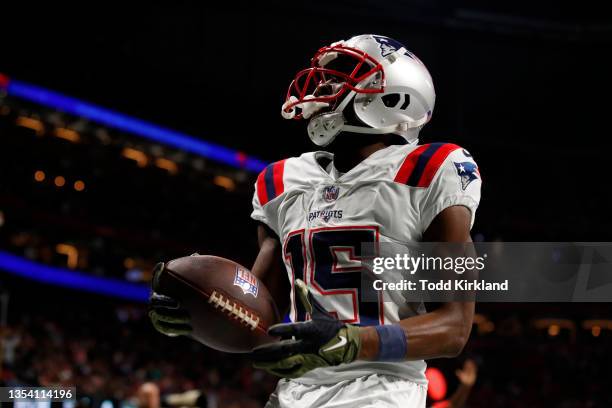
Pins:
x,y
324,128
400,127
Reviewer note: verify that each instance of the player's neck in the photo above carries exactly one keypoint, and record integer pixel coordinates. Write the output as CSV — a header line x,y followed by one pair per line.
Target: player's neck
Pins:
x,y
346,159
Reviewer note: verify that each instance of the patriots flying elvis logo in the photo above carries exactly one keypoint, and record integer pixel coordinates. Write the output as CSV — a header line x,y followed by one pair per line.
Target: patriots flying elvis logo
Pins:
x,y
388,46
468,172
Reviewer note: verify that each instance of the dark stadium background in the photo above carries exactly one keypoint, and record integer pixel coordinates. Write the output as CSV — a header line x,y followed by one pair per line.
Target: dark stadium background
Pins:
x,y
525,86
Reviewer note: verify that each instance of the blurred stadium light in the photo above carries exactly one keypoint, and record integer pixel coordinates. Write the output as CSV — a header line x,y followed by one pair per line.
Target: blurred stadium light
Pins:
x,y
127,123
72,279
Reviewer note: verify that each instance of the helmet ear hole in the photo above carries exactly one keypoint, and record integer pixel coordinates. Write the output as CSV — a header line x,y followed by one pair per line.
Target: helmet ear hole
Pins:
x,y
393,99
390,100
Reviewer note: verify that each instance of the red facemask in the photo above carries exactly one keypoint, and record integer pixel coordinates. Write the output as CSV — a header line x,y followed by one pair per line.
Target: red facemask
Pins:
x,y
334,71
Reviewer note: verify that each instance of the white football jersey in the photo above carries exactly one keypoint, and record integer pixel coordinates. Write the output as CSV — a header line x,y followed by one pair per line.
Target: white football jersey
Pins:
x,y
321,218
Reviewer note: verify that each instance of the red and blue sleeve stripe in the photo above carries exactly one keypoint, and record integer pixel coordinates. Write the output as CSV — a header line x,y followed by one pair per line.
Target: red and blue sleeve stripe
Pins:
x,y
270,182
421,165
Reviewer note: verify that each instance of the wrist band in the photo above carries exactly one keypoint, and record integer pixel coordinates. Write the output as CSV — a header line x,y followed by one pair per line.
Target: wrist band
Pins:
x,y
391,343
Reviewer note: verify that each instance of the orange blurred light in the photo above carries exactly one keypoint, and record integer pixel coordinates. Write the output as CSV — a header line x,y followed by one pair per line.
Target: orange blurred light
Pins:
x,y
129,263
139,157
553,330
39,175
30,123
79,185
483,323
225,182
59,181
595,331
67,134
71,253
601,323
166,164
479,318
486,327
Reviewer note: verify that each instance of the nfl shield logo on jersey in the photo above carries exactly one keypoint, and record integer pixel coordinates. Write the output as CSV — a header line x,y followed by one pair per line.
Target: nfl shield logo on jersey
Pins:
x,y
330,193
246,281
467,171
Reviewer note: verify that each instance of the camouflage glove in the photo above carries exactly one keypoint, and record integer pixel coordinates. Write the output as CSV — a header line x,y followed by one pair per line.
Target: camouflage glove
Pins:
x,y
165,312
320,342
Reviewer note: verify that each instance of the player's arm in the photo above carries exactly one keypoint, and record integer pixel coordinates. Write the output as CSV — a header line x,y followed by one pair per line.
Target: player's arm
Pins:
x,y
269,267
444,331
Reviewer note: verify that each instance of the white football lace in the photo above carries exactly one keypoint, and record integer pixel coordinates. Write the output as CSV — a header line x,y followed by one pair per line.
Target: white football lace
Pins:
x,y
233,310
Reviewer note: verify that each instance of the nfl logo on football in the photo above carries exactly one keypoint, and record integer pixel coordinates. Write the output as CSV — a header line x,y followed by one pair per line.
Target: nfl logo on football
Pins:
x,y
246,281
330,193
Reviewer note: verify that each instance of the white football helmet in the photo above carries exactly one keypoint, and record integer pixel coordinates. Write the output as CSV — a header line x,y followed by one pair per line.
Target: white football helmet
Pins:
x,y
390,89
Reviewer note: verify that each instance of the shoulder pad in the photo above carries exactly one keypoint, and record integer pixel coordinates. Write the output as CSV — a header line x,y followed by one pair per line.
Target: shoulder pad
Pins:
x,y
421,165
270,182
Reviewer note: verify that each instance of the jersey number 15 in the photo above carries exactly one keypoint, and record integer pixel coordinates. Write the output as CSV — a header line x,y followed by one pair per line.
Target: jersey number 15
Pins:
x,y
328,260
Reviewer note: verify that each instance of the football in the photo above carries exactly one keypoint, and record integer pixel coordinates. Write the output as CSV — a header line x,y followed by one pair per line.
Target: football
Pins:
x,y
230,309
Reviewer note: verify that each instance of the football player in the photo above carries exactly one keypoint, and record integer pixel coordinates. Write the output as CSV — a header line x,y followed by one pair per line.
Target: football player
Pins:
x,y
366,100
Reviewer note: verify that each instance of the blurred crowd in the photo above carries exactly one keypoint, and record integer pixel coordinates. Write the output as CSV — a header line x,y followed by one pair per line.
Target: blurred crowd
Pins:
x,y
109,359
109,351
